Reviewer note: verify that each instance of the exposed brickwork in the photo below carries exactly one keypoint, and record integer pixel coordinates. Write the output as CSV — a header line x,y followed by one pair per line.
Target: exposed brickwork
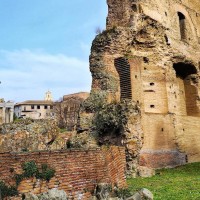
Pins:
x,y
77,171
159,39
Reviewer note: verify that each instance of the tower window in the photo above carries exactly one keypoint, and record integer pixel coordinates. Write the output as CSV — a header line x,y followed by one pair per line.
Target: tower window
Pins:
x,y
123,69
182,25
134,7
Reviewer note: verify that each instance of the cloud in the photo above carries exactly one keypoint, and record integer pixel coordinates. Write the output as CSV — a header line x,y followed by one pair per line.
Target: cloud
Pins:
x,y
27,74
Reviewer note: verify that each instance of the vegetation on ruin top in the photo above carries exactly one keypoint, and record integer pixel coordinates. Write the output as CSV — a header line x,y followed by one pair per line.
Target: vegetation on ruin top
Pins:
x,y
171,184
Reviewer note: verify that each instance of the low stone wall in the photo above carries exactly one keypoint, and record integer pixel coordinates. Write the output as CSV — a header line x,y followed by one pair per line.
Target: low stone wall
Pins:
x,y
77,171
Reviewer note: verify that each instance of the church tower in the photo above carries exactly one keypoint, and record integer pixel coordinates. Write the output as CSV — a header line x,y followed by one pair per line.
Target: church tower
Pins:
x,y
48,96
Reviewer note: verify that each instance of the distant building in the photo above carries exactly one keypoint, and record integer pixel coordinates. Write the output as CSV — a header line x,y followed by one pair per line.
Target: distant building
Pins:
x,y
6,111
67,110
79,95
35,109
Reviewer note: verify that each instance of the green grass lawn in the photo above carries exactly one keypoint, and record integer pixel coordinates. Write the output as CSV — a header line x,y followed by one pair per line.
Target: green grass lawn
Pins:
x,y
182,183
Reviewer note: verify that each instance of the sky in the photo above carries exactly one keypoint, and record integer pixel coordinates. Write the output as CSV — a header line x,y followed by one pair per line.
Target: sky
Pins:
x,y
45,45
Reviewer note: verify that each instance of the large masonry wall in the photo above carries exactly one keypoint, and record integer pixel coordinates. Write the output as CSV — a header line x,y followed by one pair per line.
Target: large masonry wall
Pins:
x,y
170,140
77,171
159,40
160,145
188,137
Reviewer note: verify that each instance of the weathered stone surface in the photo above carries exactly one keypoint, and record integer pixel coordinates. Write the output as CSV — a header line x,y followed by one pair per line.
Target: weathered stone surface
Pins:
x,y
67,110
30,196
146,194
136,196
143,194
84,140
28,135
103,191
146,171
93,198
156,45
53,194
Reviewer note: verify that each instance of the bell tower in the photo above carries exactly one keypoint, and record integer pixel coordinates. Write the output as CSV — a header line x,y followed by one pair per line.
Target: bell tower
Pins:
x,y
48,96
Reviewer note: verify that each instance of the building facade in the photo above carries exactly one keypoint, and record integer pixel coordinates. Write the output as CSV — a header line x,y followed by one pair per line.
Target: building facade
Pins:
x,y
6,111
34,109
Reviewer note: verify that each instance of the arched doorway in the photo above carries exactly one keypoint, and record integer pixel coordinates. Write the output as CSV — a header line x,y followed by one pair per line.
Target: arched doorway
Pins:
x,y
187,90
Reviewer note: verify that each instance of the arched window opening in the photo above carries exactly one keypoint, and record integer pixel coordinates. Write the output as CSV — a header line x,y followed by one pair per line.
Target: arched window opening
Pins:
x,y
182,25
134,7
187,92
183,70
123,68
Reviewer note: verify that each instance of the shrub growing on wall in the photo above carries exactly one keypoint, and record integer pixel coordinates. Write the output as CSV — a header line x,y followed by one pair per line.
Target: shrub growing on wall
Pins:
x,y
94,102
6,191
31,170
112,118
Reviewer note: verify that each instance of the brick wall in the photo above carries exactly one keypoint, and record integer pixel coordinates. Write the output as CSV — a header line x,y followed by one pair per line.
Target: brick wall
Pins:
x,y
77,171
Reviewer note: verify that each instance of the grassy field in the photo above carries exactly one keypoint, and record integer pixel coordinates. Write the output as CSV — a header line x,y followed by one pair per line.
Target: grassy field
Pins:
x,y
181,183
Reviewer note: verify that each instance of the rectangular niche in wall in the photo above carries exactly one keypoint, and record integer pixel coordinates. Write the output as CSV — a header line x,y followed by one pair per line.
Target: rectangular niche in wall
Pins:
x,y
123,68
182,25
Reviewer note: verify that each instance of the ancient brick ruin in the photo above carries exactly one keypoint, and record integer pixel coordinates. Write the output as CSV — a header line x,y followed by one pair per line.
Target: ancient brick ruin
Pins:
x,y
150,54
146,66
77,172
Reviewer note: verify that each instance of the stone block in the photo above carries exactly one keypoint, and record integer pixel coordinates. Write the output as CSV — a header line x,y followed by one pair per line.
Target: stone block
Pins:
x,y
146,171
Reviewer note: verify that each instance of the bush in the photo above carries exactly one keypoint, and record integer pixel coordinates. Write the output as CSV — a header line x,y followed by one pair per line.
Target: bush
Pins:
x,y
31,170
94,102
109,118
7,191
112,118
46,173
18,178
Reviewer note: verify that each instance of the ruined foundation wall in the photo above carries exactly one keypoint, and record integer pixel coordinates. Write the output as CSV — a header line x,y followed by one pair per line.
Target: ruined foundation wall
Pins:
x,y
77,172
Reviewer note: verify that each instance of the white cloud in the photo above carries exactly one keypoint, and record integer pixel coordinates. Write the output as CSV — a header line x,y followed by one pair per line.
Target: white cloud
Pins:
x,y
27,74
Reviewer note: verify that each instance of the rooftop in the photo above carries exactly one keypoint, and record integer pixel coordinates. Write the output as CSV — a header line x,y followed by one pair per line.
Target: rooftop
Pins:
x,y
34,102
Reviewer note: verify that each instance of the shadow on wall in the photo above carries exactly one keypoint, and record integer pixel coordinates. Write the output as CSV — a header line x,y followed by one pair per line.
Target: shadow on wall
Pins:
x,y
186,78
